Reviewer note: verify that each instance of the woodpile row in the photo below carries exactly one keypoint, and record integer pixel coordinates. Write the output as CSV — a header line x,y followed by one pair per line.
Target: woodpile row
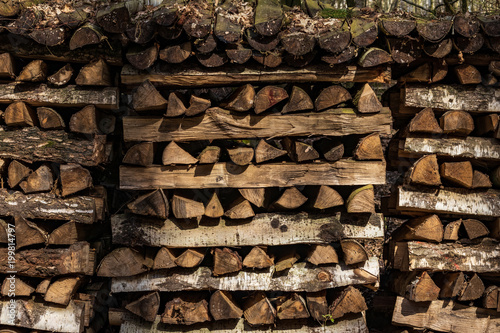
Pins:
x,y
200,167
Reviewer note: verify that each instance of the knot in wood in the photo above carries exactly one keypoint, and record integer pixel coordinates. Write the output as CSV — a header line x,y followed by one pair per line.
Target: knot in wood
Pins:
x,y
324,276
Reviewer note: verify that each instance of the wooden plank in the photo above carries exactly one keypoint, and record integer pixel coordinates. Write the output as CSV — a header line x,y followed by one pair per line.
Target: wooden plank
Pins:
x,y
69,96
470,147
218,123
31,144
263,229
352,323
475,98
445,316
47,206
191,75
452,201
42,316
300,277
479,258
221,175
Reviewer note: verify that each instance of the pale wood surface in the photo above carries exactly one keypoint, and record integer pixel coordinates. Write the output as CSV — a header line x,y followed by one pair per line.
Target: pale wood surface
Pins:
x,y
263,229
217,123
219,175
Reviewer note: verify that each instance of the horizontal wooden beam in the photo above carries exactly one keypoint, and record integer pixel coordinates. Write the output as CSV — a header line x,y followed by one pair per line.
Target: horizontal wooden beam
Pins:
x,y
69,96
218,123
47,206
476,98
481,258
352,323
451,201
222,175
300,277
42,316
469,147
263,229
194,75
445,316
31,144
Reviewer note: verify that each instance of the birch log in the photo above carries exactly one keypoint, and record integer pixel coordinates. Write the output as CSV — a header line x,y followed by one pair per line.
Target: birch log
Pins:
x,y
221,175
263,229
452,201
298,278
41,316
218,123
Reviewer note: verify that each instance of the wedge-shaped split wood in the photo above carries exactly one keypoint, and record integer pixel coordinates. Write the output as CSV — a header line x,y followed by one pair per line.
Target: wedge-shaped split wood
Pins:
x,y
451,284
16,172
299,151
475,228
41,180
256,196
35,71
417,287
369,148
214,208
490,297
197,105
175,105
20,114
472,290
209,155
426,228
317,305
17,286
61,291
185,208
331,96
190,258
186,310
29,233
69,233
481,180
241,100
425,171
74,178
151,204
241,155
96,73
239,209
292,306
451,230
286,262
49,119
467,74
354,252
175,54
457,173
266,152
146,306
457,123
165,258
267,97
122,261
320,254
425,122
85,121
258,258
142,58
361,200
7,67
223,306
374,57
62,76
226,261
174,154
146,97
325,197
291,198
258,310
350,300
140,154
366,100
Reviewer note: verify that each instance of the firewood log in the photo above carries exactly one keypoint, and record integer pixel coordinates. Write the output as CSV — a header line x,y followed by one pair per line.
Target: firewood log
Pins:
x,y
74,178
364,31
190,258
369,148
291,306
206,45
184,208
238,54
267,97
299,101
85,121
142,58
317,305
142,31
16,173
324,197
322,254
425,171
466,25
151,204
426,228
291,198
214,208
197,105
299,151
451,284
140,154
223,306
20,288
397,26
212,60
457,173
257,196
20,114
61,290
258,310
481,180
475,228
353,251
146,306
334,41
472,290
70,233
331,149
486,124
186,309
287,261
146,97
241,100
175,54
174,154
95,73
88,34
430,72
198,23
451,230
62,76
226,261
35,71
416,287
457,123
258,258
374,57
259,42
266,152
331,96
49,118
41,180
175,105
241,155
361,200
122,261
43,286
350,300
165,258
7,67
425,122
269,59
239,209
467,74
440,49
405,51
434,30
469,45
298,43
29,233
490,297
366,100
114,18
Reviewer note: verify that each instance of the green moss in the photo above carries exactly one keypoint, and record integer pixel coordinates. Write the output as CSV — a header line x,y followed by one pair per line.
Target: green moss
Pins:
x,y
335,13
49,144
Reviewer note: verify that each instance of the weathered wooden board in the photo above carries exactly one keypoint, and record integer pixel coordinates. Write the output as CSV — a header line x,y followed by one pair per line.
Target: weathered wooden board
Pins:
x,y
47,206
298,278
263,229
480,258
475,98
43,316
470,147
445,316
352,323
217,123
452,201
187,75
219,175
79,258
31,144
69,96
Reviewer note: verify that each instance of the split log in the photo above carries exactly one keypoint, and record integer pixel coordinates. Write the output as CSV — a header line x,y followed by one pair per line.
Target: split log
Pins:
x,y
114,18
468,74
69,319
451,284
140,154
258,258
334,41
146,306
29,233
186,310
451,230
142,58
317,305
17,172
257,196
366,100
361,200
271,59
239,209
369,148
20,114
212,60
268,17
425,122
299,101
151,204
466,25
241,155
457,173
87,34
61,290
331,96
444,316
185,208
490,297
175,106
486,124
467,148
49,119
16,287
122,261
481,180
299,151
416,287
95,73
364,31
69,233
7,67
404,50
238,54
354,252
77,259
325,197
190,258
146,97
451,97
5,230
429,72
84,121
226,261
35,71
74,178
475,228
286,262
434,30
452,201
291,198
298,43
472,290
219,175
292,306
197,105
298,228
223,306
259,42
259,310
266,152
197,76
426,228
198,23
440,49
267,97
241,100
457,123
331,149
350,300
374,57
209,155
489,25
173,155
396,26
80,209
164,259
425,171
322,254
